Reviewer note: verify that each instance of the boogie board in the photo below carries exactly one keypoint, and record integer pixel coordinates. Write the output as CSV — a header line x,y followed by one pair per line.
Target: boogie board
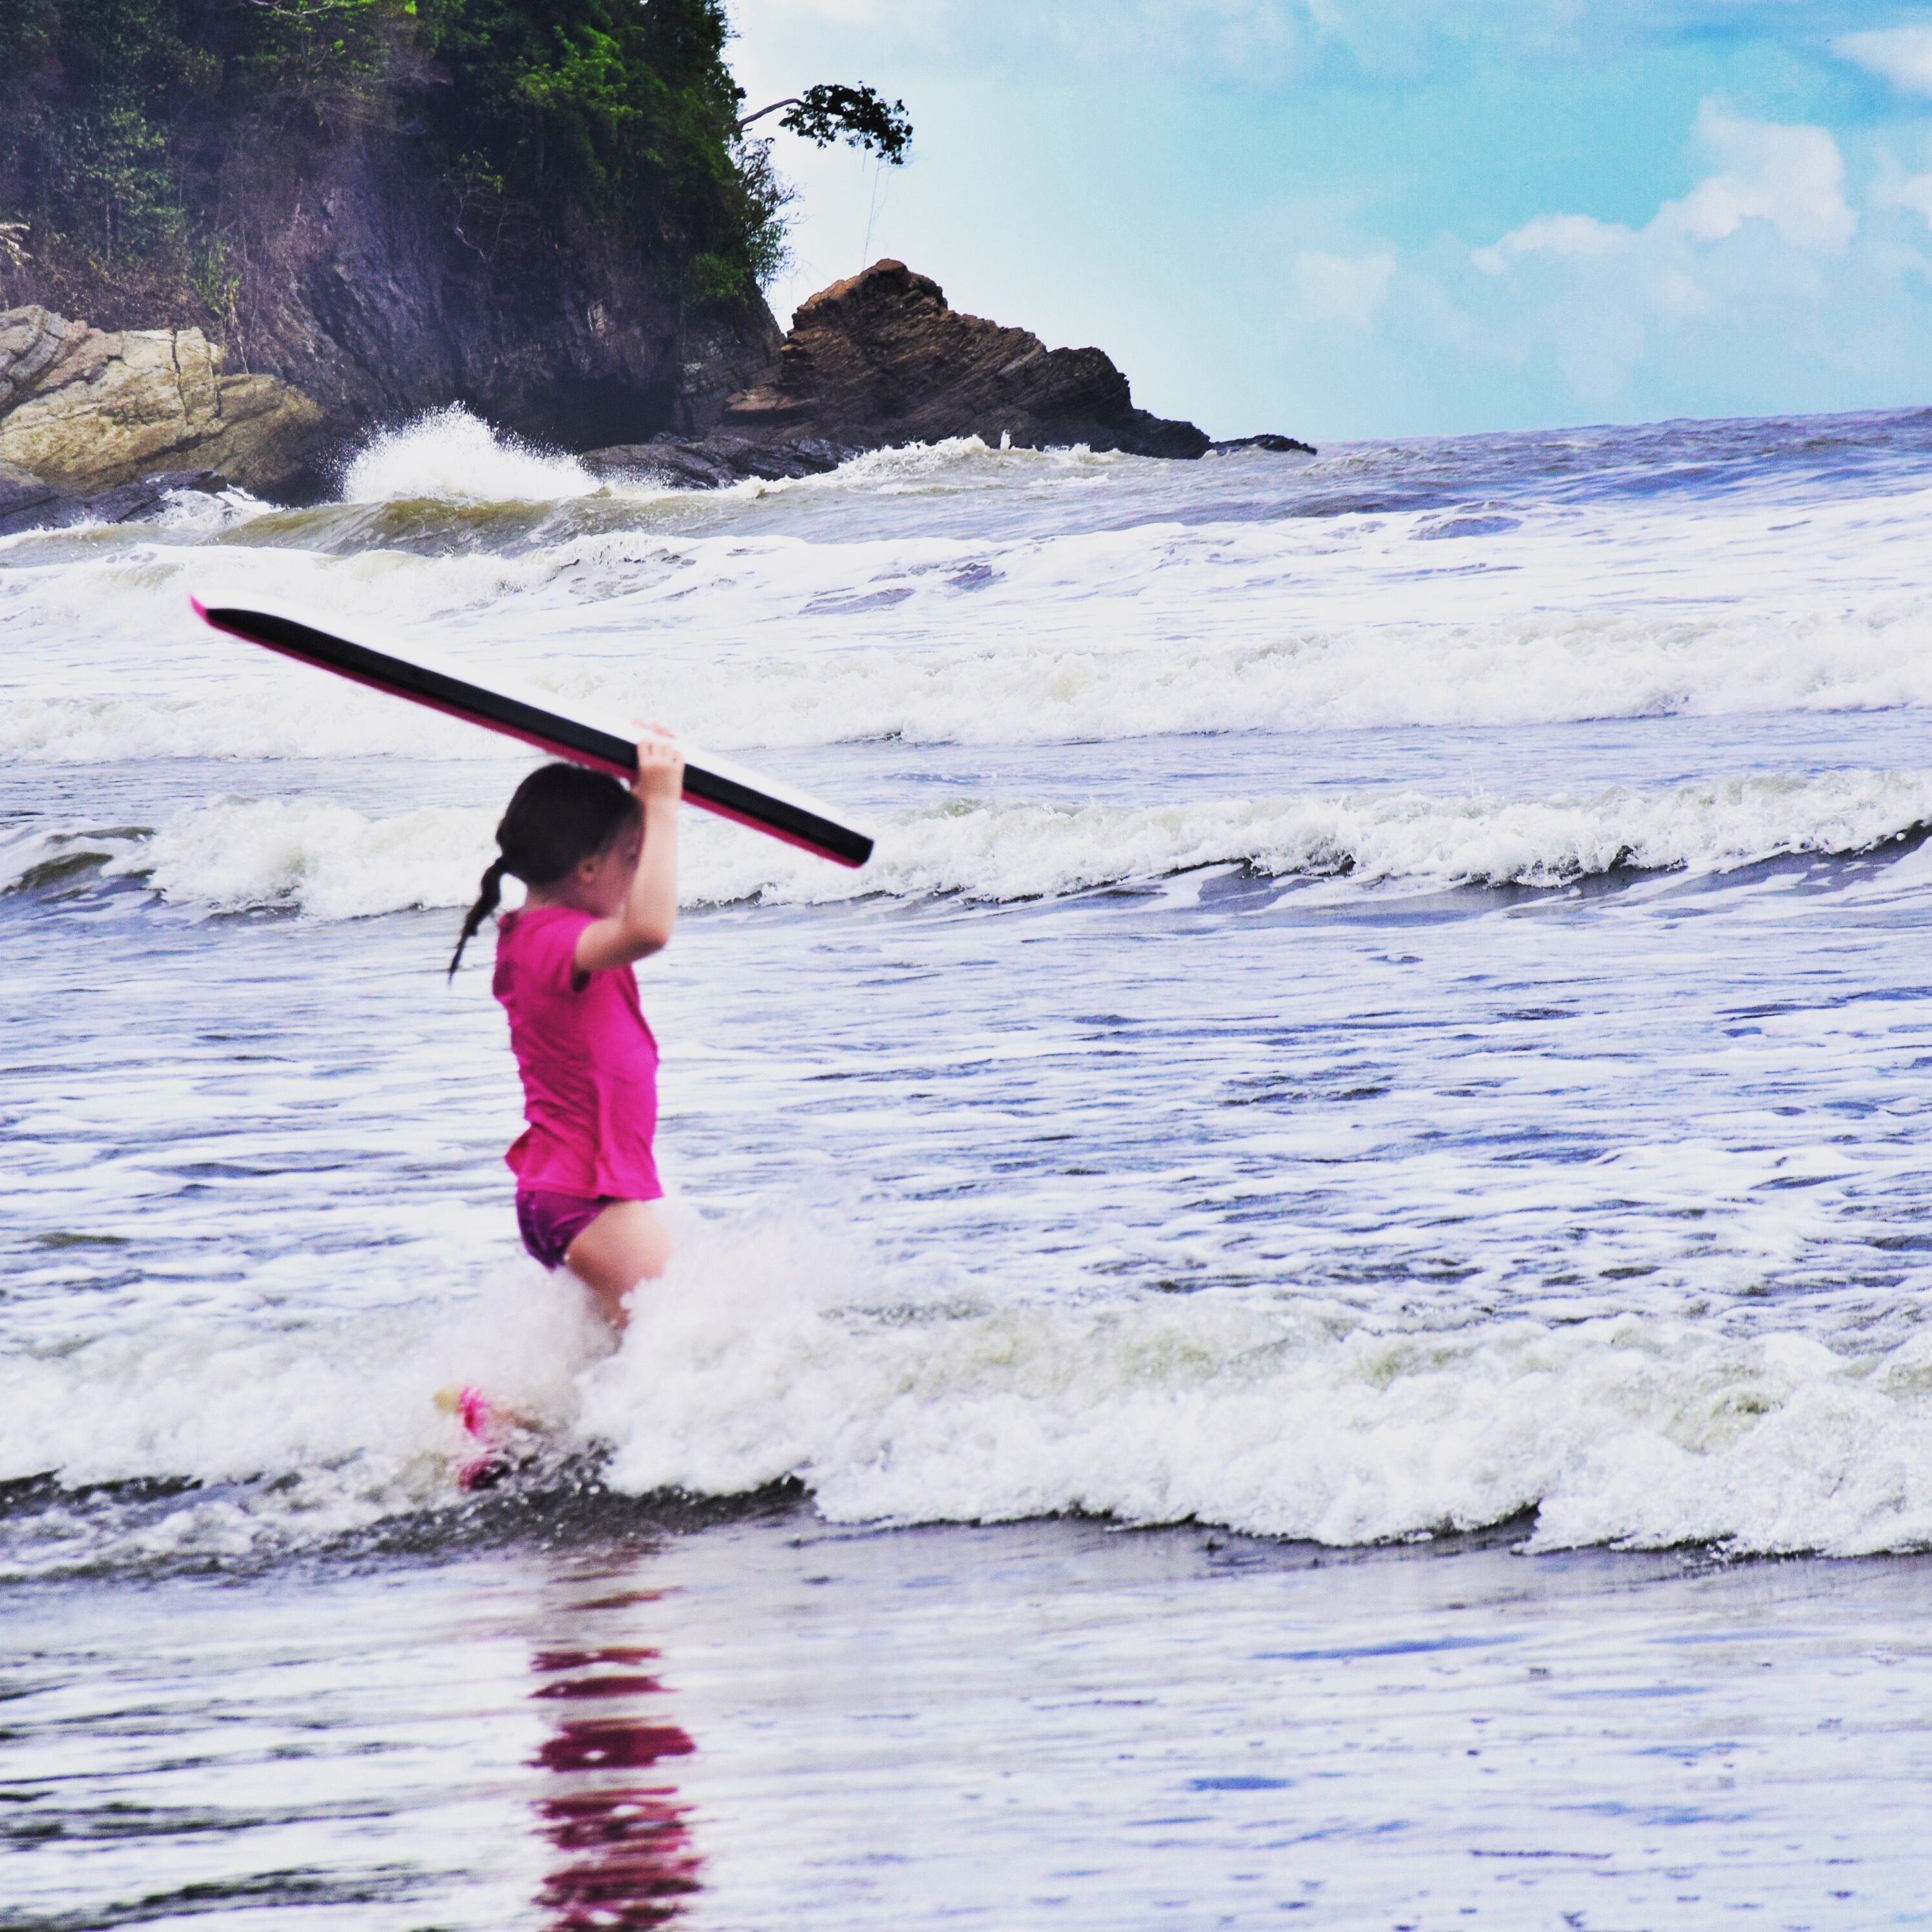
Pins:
x,y
734,795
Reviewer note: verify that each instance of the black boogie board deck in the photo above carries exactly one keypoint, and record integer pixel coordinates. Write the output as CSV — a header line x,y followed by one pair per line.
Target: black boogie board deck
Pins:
x,y
796,821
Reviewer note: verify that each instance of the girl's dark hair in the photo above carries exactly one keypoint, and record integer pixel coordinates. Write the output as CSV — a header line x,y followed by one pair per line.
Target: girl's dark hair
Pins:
x,y
559,815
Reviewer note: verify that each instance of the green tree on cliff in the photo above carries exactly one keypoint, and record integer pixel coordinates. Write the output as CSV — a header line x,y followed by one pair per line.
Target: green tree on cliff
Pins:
x,y
130,129
859,116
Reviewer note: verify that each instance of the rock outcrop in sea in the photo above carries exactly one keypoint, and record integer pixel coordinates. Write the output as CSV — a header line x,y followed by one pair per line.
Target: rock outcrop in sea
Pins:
x,y
26,503
882,359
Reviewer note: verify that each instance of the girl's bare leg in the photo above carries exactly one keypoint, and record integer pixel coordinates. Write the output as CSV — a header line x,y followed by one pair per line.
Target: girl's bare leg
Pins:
x,y
627,1244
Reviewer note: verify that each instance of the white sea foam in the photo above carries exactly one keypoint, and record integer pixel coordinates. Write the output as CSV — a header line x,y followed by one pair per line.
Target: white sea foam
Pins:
x,y
330,862
759,636
1155,1408
339,1415
774,1350
1013,689
454,457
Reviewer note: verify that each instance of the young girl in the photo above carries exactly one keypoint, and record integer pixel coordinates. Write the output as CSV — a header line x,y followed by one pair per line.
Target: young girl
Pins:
x,y
600,865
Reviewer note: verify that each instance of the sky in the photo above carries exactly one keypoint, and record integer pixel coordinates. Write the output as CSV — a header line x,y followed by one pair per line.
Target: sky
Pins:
x,y
1343,219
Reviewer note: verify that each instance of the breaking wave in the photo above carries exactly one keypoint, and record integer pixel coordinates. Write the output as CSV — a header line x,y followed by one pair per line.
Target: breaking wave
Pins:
x,y
330,862
772,1353
454,457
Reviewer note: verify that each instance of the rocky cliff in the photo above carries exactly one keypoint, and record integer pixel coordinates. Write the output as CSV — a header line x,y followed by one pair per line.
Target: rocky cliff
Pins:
x,y
881,359
378,302
86,409
542,209
361,302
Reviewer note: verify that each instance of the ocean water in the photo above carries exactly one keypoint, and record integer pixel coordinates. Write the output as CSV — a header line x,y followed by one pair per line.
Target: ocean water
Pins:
x,y
1389,1015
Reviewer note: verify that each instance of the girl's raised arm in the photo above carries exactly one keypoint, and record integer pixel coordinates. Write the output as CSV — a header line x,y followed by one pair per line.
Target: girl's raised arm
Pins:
x,y
642,924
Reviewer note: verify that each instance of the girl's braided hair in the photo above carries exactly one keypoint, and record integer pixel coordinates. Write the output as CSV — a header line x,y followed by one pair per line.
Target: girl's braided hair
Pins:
x,y
558,816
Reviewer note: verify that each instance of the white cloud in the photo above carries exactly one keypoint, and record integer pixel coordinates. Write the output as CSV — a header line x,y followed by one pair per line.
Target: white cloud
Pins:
x,y
1900,54
1754,246
1894,188
1557,235
1344,288
1793,178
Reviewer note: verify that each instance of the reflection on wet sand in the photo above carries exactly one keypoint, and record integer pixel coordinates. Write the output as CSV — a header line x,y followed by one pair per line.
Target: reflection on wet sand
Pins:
x,y
631,1861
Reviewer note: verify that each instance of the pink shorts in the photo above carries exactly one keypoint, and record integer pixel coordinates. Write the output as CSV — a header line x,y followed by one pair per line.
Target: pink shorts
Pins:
x,y
550,1222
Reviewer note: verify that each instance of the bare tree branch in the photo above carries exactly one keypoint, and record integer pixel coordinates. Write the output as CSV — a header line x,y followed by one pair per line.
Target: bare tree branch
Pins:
x,y
790,100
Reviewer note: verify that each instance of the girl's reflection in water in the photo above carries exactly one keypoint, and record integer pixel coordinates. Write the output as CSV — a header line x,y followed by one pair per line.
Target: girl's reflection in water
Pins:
x,y
614,1815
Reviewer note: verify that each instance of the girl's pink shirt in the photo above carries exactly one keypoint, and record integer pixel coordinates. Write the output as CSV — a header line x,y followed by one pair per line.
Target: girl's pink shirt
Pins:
x,y
589,1062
